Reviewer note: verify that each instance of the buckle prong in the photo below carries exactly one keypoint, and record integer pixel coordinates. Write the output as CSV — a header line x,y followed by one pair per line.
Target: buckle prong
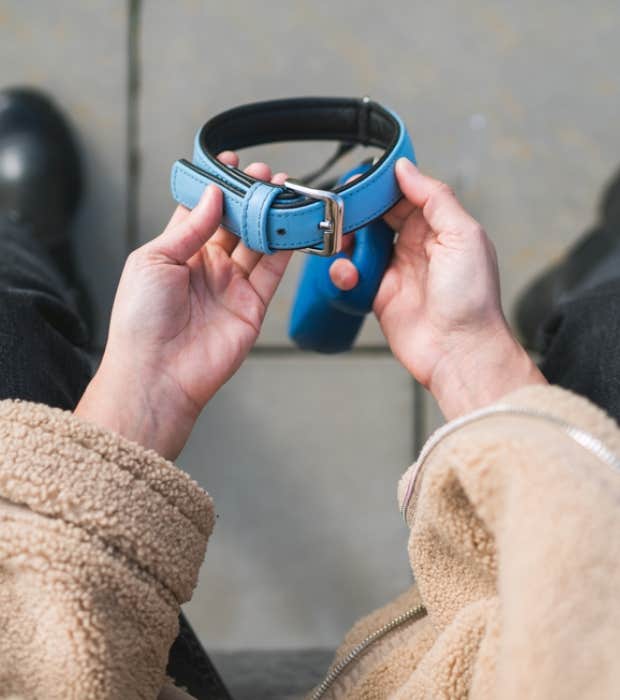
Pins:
x,y
331,224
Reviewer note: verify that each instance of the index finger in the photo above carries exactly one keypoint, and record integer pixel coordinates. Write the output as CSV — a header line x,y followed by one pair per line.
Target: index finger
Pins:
x,y
440,207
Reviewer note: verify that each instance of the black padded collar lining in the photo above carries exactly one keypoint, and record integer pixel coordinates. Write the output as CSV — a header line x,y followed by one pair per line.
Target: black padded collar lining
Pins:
x,y
300,119
348,120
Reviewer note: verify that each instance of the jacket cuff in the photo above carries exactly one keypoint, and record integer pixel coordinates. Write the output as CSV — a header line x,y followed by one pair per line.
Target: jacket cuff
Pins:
x,y
567,406
129,498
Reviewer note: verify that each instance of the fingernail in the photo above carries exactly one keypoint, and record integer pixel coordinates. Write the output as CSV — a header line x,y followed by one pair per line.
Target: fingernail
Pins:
x,y
406,166
279,178
354,177
207,195
227,157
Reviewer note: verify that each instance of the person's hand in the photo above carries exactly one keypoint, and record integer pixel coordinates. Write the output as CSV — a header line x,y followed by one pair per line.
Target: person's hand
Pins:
x,y
439,301
188,309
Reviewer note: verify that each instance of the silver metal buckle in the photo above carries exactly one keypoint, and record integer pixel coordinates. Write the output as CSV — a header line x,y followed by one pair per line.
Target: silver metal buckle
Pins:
x,y
331,224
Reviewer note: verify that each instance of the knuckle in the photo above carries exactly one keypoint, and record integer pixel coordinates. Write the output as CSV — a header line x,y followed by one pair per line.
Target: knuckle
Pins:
x,y
191,229
478,233
270,265
138,258
443,190
439,197
133,259
188,229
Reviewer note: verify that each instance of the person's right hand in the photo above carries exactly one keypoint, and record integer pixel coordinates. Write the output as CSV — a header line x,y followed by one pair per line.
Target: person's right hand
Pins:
x,y
439,301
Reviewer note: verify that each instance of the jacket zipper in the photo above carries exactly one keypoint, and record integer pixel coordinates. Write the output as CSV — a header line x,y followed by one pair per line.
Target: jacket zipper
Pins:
x,y
583,438
412,614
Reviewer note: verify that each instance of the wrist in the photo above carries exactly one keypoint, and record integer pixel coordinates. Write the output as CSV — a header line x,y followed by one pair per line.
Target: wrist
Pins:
x,y
140,408
481,369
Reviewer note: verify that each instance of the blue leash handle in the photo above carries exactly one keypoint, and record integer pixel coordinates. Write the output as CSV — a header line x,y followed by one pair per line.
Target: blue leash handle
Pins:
x,y
326,319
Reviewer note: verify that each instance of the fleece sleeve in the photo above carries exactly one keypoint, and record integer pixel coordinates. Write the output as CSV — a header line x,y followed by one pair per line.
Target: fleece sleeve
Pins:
x,y
100,543
515,546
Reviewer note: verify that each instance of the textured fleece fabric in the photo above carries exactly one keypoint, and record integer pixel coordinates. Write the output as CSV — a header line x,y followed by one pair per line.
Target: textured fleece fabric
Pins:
x,y
100,543
515,545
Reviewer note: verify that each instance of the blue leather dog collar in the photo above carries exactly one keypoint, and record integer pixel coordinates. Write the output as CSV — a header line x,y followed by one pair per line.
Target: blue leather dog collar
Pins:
x,y
294,216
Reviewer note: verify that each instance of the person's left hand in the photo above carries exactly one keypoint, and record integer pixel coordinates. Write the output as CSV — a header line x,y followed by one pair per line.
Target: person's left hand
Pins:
x,y
188,309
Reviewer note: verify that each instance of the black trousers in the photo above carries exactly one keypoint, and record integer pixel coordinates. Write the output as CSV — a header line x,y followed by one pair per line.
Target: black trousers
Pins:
x,y
43,342
580,342
45,357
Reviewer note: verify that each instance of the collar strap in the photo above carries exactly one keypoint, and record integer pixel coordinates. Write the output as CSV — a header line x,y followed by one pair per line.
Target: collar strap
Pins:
x,y
294,216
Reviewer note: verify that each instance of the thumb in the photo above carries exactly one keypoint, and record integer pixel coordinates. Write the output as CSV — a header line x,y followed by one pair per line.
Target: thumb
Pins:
x,y
182,239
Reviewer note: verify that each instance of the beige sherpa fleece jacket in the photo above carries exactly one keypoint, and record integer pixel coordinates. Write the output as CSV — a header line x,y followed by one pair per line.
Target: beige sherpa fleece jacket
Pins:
x,y
515,544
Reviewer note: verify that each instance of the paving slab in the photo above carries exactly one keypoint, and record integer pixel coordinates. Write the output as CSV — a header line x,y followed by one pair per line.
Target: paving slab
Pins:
x,y
77,53
302,457
272,675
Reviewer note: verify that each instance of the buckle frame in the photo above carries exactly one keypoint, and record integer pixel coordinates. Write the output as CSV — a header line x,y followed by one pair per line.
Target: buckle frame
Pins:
x,y
331,224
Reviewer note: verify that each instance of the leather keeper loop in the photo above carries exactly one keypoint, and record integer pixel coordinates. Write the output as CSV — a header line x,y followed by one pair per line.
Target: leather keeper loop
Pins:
x,y
255,210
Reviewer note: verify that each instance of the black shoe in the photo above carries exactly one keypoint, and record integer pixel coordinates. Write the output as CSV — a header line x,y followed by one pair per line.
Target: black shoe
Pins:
x,y
40,174
41,179
536,303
